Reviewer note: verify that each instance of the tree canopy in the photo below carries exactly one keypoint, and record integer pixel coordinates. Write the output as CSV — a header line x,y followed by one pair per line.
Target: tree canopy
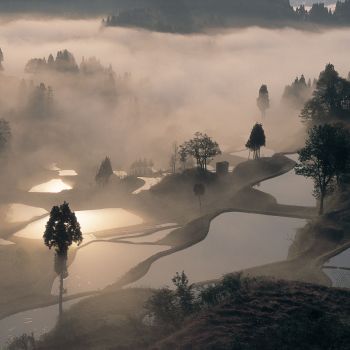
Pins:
x,y
330,101
202,148
105,171
263,100
296,94
62,229
325,159
256,140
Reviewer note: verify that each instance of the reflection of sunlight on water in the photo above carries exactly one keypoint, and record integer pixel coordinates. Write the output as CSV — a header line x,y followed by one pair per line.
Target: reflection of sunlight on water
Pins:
x,y
20,212
52,186
100,264
67,173
90,221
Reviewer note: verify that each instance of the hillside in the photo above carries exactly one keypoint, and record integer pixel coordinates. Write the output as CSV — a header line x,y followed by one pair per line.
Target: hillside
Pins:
x,y
262,314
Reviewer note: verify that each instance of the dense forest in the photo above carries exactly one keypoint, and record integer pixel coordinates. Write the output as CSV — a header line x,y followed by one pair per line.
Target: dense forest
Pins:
x,y
185,16
193,15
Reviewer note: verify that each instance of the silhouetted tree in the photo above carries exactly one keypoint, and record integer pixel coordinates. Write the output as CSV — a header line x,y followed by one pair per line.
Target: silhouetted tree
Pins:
x,y
183,157
297,93
65,62
256,140
331,99
325,158
263,100
199,191
184,292
202,148
62,230
40,101
104,172
168,307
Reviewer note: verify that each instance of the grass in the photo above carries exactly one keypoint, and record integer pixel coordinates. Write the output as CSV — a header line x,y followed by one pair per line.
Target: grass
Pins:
x,y
252,314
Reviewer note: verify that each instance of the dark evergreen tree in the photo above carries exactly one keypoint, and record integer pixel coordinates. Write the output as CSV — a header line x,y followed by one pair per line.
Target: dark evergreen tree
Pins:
x,y
296,94
62,230
331,99
256,140
263,100
184,292
104,172
40,101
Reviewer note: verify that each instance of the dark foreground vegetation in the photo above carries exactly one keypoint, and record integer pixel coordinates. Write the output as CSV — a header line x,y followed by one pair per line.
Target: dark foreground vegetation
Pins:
x,y
236,313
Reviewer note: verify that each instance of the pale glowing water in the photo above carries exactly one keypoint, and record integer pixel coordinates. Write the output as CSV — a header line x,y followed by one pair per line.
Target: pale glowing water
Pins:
x,y
53,167
290,188
5,242
151,238
340,275
90,221
120,173
340,260
101,263
67,173
149,183
52,186
235,241
38,321
340,278
17,212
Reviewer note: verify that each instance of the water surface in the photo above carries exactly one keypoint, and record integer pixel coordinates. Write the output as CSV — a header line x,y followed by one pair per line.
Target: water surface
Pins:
x,y
290,188
52,186
235,241
149,182
90,221
17,212
37,321
101,263
67,173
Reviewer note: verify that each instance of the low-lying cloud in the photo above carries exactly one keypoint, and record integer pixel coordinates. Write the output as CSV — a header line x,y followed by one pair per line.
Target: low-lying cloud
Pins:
x,y
179,84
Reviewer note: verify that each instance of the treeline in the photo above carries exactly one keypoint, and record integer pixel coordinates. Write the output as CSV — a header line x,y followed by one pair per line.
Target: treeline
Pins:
x,y
186,16
65,62
321,14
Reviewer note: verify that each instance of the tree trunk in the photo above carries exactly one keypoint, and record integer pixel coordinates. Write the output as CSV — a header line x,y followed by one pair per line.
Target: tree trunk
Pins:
x,y
60,297
321,208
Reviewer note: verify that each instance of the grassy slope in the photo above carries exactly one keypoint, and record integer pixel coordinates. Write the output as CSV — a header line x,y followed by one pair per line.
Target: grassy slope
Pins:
x,y
113,321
